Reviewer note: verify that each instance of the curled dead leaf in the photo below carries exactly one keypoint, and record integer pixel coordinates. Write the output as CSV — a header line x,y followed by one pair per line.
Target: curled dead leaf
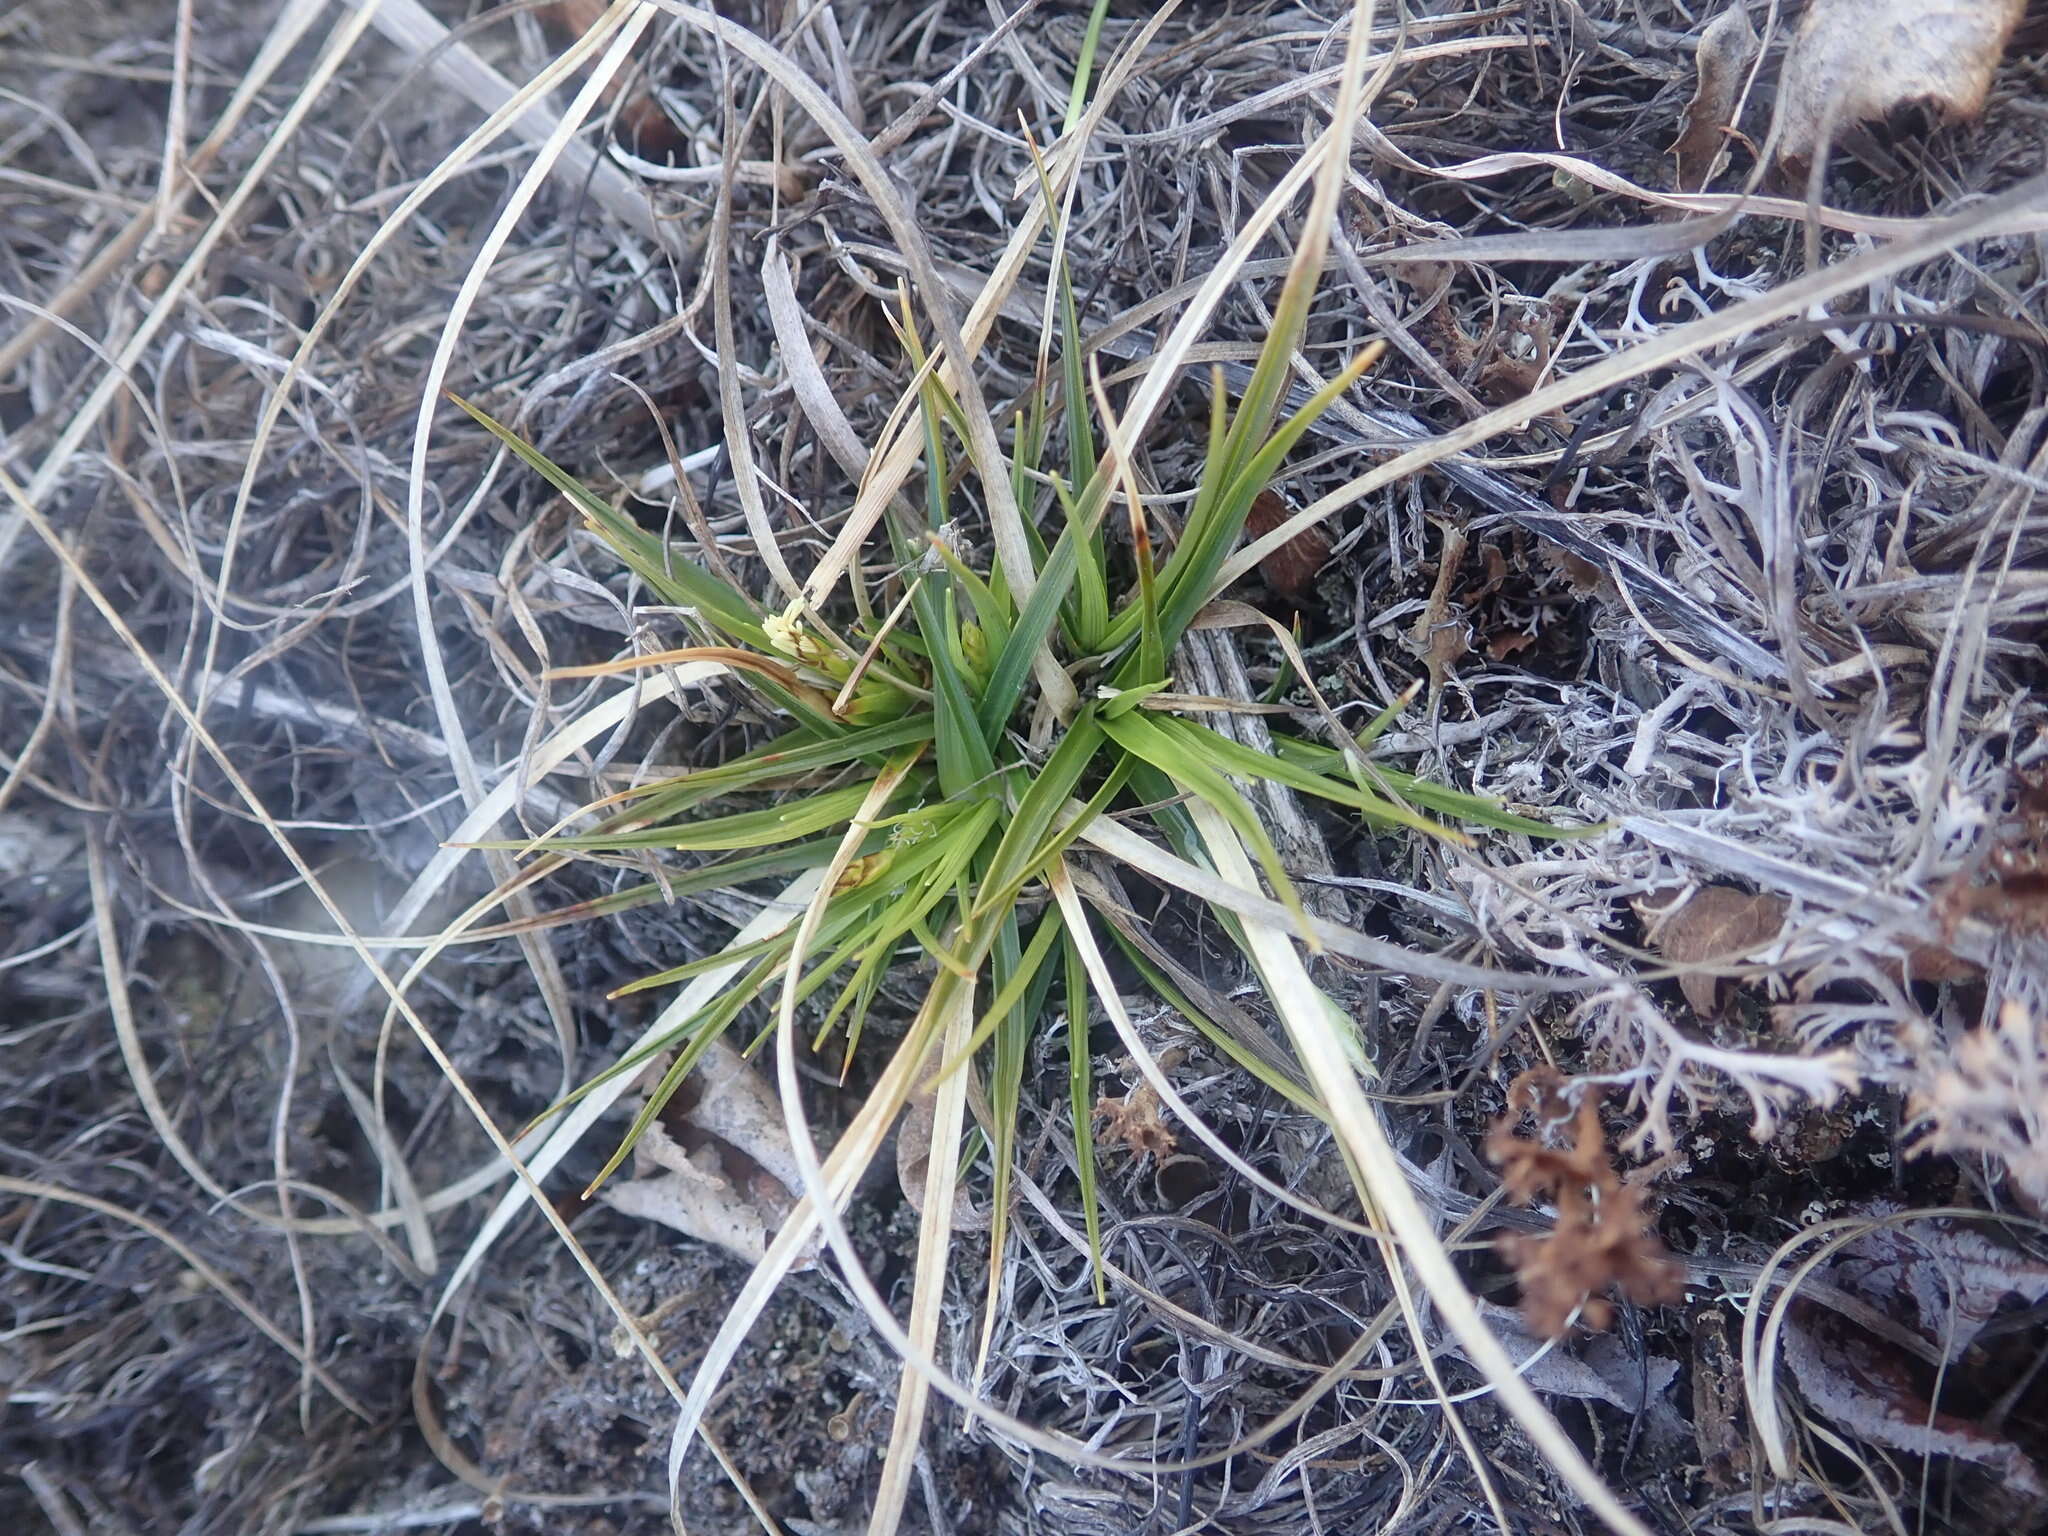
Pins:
x,y
913,1162
1291,569
1726,51
1868,1390
726,1173
1716,925
1859,60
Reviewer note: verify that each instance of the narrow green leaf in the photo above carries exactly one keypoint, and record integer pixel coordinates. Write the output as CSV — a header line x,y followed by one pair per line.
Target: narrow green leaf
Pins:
x,y
790,757
1143,738
680,583
785,822
1081,1101
1227,756
1016,857
1084,66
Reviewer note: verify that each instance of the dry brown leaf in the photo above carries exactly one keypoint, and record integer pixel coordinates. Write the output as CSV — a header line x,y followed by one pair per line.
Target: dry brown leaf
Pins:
x,y
913,1162
2017,898
1508,642
1716,925
1291,569
1134,1120
1859,60
692,1194
1603,1239
1602,1369
642,124
1955,1276
717,1166
1726,51
1584,577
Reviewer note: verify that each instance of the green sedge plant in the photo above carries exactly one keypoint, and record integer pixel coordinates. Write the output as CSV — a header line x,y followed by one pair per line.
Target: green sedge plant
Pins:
x,y
930,687
938,790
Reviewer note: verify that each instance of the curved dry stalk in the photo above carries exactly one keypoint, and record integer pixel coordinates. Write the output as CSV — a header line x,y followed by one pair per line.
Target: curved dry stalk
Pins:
x,y
32,1189
1926,240
1110,836
620,28
1324,1048
928,1287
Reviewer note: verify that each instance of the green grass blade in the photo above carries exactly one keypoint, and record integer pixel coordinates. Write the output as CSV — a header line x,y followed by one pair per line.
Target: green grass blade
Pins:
x,y
1143,738
1157,978
1018,855
1091,587
1227,756
991,610
680,583
1035,623
789,757
1081,1100
786,822
704,1027
1014,994
1084,66
1457,805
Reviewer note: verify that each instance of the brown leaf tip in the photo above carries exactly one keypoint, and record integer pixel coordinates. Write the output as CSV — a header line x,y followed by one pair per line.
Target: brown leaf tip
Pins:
x,y
1291,569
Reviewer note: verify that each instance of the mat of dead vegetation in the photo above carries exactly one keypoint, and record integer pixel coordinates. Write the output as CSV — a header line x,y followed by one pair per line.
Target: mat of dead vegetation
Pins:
x,y
1768,598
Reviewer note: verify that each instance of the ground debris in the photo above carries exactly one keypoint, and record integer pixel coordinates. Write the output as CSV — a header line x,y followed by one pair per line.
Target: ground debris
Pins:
x,y
1716,925
1602,1239
1855,61
1727,50
1946,1281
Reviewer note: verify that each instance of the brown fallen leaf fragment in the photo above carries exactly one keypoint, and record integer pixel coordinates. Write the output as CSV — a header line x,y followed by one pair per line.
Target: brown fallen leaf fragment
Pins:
x,y
1716,925
1291,569
1580,574
643,126
1858,61
1726,51
2017,898
1134,1120
914,1160
1603,1239
726,1173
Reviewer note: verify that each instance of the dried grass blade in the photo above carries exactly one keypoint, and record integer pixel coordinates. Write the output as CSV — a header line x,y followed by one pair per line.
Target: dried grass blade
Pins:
x,y
1929,240
928,1289
1383,1184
